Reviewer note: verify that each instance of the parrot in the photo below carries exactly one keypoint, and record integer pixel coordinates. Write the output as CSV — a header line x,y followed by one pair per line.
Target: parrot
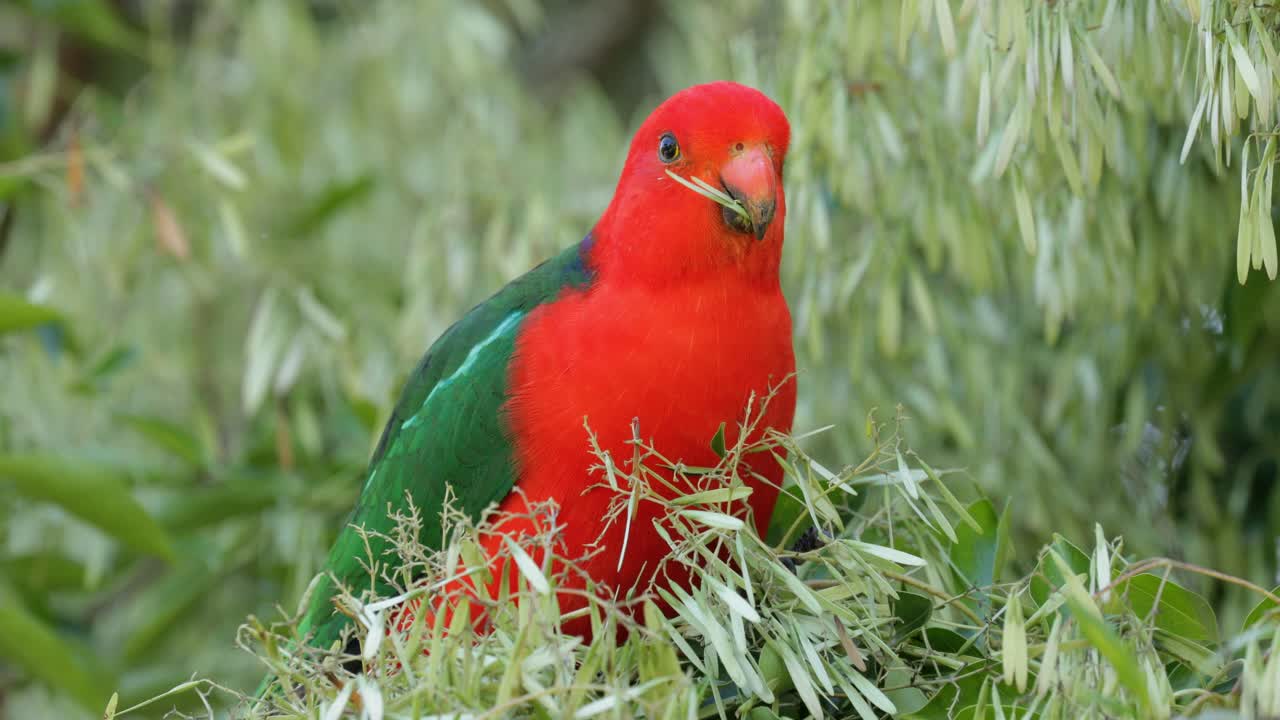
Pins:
x,y
668,314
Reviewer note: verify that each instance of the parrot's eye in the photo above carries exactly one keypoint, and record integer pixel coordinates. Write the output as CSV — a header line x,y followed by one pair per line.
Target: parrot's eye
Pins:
x,y
668,148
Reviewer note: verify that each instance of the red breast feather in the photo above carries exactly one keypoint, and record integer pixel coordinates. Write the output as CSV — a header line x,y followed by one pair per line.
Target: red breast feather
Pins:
x,y
685,320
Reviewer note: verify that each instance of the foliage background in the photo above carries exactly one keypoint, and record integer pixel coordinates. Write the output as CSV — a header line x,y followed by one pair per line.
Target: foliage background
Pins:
x,y
252,218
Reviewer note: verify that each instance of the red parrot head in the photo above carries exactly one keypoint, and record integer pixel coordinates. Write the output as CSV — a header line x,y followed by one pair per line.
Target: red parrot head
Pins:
x,y
729,136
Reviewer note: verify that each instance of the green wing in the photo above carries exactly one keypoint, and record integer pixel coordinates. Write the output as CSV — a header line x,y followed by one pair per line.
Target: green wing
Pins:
x,y
447,429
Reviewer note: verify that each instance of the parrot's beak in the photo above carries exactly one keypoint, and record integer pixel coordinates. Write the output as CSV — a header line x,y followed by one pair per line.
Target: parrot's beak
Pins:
x,y
750,179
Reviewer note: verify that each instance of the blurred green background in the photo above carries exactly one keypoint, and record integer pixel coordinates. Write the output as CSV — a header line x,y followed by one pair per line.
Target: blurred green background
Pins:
x,y
228,230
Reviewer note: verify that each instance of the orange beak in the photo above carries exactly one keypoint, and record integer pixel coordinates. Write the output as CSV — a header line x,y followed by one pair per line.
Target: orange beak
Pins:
x,y
749,178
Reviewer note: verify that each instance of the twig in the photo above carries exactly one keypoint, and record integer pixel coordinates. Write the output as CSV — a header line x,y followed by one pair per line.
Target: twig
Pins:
x,y
1152,563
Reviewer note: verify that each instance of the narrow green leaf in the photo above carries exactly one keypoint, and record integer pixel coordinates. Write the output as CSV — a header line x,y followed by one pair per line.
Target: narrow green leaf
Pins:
x,y
984,107
1026,220
800,676
714,519
737,603
1100,68
906,25
1113,648
528,568
1244,64
31,645
946,27
717,442
886,553
328,203
192,509
1070,164
949,497
705,189
91,494
1068,62
799,589
1011,135
872,693
890,318
1046,679
167,436
1193,126
17,314
113,362
165,603
217,165
1244,239
93,20
1265,228
711,497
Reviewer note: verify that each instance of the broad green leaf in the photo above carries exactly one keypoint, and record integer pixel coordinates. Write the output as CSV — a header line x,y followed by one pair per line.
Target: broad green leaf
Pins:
x,y
962,693
92,494
1180,611
1191,653
32,646
786,513
912,611
1048,577
979,557
1261,610
907,700
45,572
17,314
946,640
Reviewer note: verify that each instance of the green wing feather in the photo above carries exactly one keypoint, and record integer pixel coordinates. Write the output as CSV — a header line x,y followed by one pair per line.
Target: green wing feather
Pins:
x,y
447,429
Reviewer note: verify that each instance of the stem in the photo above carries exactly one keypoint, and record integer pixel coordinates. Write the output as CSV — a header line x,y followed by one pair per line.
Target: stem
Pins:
x,y
1153,563
947,599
